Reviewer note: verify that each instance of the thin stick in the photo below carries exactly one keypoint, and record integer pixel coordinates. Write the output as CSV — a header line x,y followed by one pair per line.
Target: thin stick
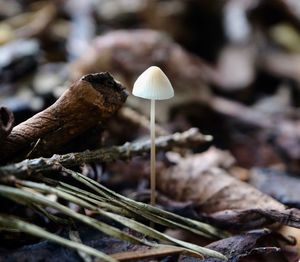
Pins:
x,y
189,138
153,153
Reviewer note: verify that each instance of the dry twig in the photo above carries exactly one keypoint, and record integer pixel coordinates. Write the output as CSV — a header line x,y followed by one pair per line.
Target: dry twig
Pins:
x,y
188,138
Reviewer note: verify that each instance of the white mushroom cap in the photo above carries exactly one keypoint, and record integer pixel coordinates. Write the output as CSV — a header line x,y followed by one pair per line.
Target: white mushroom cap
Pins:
x,y
153,84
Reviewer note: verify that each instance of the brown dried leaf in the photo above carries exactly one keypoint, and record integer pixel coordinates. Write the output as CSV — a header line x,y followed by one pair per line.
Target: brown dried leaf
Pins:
x,y
220,198
201,179
240,246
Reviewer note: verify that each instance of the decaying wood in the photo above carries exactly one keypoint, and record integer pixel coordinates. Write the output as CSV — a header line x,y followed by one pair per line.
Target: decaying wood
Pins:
x,y
191,137
91,100
6,122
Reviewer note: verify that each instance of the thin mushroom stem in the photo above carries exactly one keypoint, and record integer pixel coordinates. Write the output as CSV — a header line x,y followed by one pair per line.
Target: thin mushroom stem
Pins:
x,y
152,153
153,84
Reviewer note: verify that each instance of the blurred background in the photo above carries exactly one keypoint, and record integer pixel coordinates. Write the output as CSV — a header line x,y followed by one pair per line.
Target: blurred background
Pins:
x,y
235,65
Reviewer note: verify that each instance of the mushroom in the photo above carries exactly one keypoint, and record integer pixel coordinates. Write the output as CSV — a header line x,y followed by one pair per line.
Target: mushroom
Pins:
x,y
153,84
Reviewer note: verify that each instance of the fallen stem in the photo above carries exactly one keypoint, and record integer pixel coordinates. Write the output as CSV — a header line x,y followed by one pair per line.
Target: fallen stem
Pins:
x,y
191,137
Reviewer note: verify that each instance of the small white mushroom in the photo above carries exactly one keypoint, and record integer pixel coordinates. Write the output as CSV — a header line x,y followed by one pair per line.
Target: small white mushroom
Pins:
x,y
153,84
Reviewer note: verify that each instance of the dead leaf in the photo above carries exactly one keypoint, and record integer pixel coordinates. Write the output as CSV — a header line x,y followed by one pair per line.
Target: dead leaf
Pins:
x,y
219,198
200,178
240,246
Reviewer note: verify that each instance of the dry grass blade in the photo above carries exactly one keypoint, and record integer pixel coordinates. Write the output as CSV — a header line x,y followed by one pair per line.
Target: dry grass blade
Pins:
x,y
74,236
17,224
132,224
22,196
181,222
125,210
121,210
163,237
148,231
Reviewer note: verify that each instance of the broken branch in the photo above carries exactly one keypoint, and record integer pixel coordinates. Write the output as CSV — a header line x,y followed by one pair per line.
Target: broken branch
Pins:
x,y
92,99
191,137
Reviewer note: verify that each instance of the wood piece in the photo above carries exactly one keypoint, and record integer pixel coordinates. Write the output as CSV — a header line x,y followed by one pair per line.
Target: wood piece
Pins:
x,y
191,137
91,100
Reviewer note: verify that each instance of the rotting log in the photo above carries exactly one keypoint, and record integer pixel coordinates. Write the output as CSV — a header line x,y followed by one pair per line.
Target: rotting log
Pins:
x,y
92,99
